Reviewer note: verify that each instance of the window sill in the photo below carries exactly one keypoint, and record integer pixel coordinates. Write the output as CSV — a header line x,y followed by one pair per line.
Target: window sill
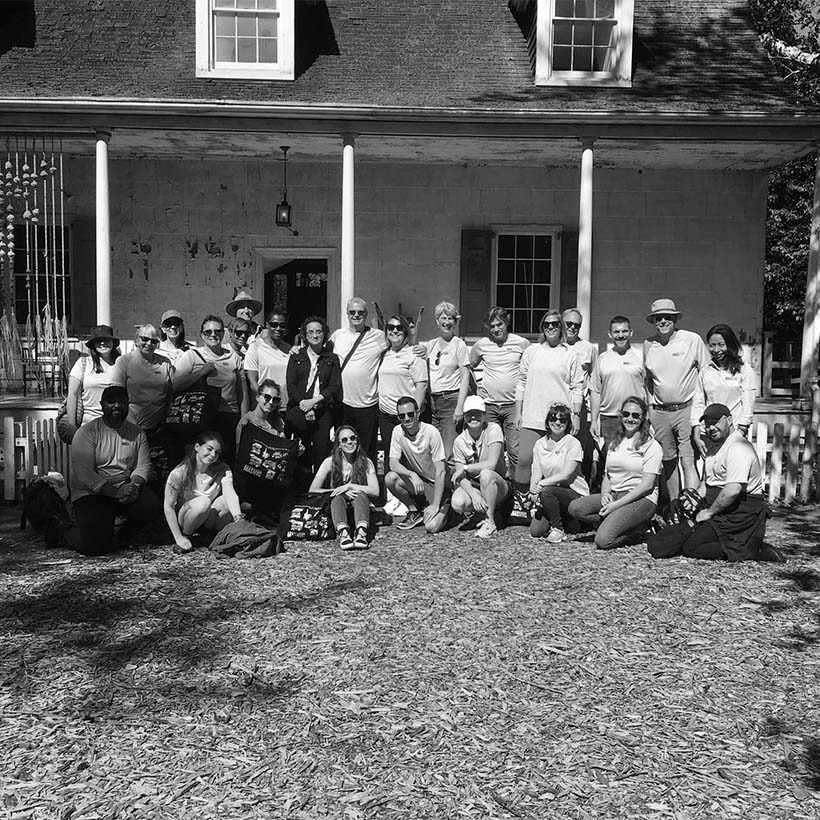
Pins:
x,y
582,81
249,73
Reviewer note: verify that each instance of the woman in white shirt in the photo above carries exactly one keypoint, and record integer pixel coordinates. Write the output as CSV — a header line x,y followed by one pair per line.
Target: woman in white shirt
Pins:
x,y
556,478
629,493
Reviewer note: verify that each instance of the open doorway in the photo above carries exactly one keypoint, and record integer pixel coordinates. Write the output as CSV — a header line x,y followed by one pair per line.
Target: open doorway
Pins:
x,y
300,287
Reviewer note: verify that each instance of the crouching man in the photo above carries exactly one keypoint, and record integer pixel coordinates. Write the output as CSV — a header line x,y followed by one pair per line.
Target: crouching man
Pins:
x,y
417,473
732,523
479,478
109,472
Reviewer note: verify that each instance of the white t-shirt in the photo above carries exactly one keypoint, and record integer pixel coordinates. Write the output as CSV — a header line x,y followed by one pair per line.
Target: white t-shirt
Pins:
x,y
418,454
228,364
93,384
735,462
616,377
550,458
586,353
359,374
625,466
736,390
468,450
399,374
445,360
170,351
269,363
673,367
500,363
205,485
547,375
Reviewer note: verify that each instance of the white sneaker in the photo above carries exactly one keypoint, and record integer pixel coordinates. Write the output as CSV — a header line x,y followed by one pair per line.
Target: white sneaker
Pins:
x,y
487,529
556,536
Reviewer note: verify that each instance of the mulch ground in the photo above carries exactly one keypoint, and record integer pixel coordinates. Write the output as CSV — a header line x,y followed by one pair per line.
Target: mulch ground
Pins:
x,y
431,677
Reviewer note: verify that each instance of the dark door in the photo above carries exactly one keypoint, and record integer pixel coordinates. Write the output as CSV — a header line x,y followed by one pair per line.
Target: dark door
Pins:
x,y
300,287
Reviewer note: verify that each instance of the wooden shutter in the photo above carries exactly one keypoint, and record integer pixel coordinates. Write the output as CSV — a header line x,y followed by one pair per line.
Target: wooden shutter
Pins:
x,y
83,277
569,270
476,280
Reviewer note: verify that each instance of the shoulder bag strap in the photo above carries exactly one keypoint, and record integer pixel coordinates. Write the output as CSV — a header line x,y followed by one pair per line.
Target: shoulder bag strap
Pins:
x,y
353,349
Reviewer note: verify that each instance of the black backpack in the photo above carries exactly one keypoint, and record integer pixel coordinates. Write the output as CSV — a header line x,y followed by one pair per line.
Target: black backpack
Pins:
x,y
41,502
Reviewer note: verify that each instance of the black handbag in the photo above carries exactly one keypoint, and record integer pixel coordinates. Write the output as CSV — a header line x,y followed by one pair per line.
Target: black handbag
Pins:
x,y
309,519
265,459
194,409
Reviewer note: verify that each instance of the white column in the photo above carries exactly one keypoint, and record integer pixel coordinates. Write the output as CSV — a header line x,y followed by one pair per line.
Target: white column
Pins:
x,y
103,232
584,301
811,315
348,225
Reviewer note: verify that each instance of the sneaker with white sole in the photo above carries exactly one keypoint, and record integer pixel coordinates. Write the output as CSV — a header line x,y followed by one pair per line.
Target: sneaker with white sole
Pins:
x,y
413,519
345,541
556,536
487,529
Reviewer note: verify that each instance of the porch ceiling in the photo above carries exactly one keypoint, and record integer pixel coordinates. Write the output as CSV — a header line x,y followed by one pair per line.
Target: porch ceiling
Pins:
x,y
612,152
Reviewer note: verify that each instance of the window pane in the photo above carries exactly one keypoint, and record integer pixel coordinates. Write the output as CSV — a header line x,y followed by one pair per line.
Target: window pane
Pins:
x,y
506,246
562,58
605,8
583,34
246,50
266,4
522,296
582,59
506,270
225,50
267,27
585,8
246,4
602,60
522,322
504,295
541,272
542,244
541,298
267,51
246,26
523,271
224,4
603,34
523,246
564,8
562,34
224,25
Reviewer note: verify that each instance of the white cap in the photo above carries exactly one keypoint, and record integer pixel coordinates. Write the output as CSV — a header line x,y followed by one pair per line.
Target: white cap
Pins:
x,y
474,403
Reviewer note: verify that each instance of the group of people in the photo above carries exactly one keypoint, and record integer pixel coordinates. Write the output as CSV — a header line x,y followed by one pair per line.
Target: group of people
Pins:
x,y
547,432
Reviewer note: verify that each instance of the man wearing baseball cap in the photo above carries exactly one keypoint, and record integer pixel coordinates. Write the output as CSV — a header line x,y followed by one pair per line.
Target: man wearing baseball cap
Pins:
x,y
480,468
672,360
733,524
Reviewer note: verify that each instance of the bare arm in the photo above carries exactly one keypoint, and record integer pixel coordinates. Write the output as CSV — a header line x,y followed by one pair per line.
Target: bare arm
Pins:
x,y
231,498
74,388
725,498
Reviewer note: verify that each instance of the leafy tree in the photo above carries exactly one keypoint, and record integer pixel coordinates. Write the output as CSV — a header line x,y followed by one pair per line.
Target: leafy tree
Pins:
x,y
790,31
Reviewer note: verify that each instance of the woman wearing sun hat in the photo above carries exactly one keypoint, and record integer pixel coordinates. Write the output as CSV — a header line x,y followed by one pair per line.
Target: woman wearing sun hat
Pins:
x,y
244,306
91,374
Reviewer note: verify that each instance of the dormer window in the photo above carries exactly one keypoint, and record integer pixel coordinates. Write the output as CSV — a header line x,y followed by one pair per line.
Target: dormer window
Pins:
x,y
584,42
245,39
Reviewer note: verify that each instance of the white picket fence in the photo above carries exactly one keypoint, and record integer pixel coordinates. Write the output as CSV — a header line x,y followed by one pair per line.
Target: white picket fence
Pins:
x,y
31,448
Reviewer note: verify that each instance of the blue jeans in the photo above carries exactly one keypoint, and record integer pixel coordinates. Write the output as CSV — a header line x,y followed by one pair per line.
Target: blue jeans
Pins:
x,y
442,407
614,530
504,416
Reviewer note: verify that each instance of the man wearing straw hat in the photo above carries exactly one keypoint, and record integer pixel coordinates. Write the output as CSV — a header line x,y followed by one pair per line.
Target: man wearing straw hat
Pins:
x,y
672,360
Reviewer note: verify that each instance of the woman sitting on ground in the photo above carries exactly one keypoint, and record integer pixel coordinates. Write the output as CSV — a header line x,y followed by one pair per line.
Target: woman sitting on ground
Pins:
x,y
629,493
353,483
556,478
199,493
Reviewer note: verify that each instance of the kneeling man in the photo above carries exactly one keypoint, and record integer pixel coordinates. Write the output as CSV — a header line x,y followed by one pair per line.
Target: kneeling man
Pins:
x,y
733,523
479,478
417,473
110,466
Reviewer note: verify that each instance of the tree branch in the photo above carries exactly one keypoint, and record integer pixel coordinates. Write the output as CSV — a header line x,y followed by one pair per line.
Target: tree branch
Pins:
x,y
787,52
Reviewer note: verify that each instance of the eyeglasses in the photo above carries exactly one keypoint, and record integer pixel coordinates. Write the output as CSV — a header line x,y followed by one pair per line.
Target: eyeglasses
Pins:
x,y
268,397
148,340
102,343
356,312
557,417
410,415
573,325
213,331
551,325
625,414
395,329
348,440
473,414
662,318
242,334
277,325
172,323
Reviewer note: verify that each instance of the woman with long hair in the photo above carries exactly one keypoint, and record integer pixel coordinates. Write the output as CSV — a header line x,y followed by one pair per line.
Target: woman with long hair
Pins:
x,y
728,380
556,480
314,390
353,482
549,372
90,375
629,492
199,493
172,333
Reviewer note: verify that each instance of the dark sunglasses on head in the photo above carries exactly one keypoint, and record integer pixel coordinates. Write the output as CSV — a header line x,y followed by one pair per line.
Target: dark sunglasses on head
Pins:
x,y
213,332
573,325
410,415
551,324
148,340
625,414
268,397
276,325
395,327
348,439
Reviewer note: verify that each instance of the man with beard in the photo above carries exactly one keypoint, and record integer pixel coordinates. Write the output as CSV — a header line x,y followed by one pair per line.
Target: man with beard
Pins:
x,y
110,466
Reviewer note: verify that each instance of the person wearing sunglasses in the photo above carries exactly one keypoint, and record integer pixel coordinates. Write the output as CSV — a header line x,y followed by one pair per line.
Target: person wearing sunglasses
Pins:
x,y
448,364
172,333
549,372
146,376
401,373
360,348
267,413
499,354
417,473
623,509
222,368
268,354
673,359
556,479
480,469
239,333
353,483
314,391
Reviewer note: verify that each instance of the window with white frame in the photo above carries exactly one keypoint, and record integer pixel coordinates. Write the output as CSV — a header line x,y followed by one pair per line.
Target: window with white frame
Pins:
x,y
584,42
245,39
526,277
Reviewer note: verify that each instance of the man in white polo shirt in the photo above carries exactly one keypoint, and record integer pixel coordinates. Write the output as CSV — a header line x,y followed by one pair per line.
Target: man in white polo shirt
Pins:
x,y
672,360
360,348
